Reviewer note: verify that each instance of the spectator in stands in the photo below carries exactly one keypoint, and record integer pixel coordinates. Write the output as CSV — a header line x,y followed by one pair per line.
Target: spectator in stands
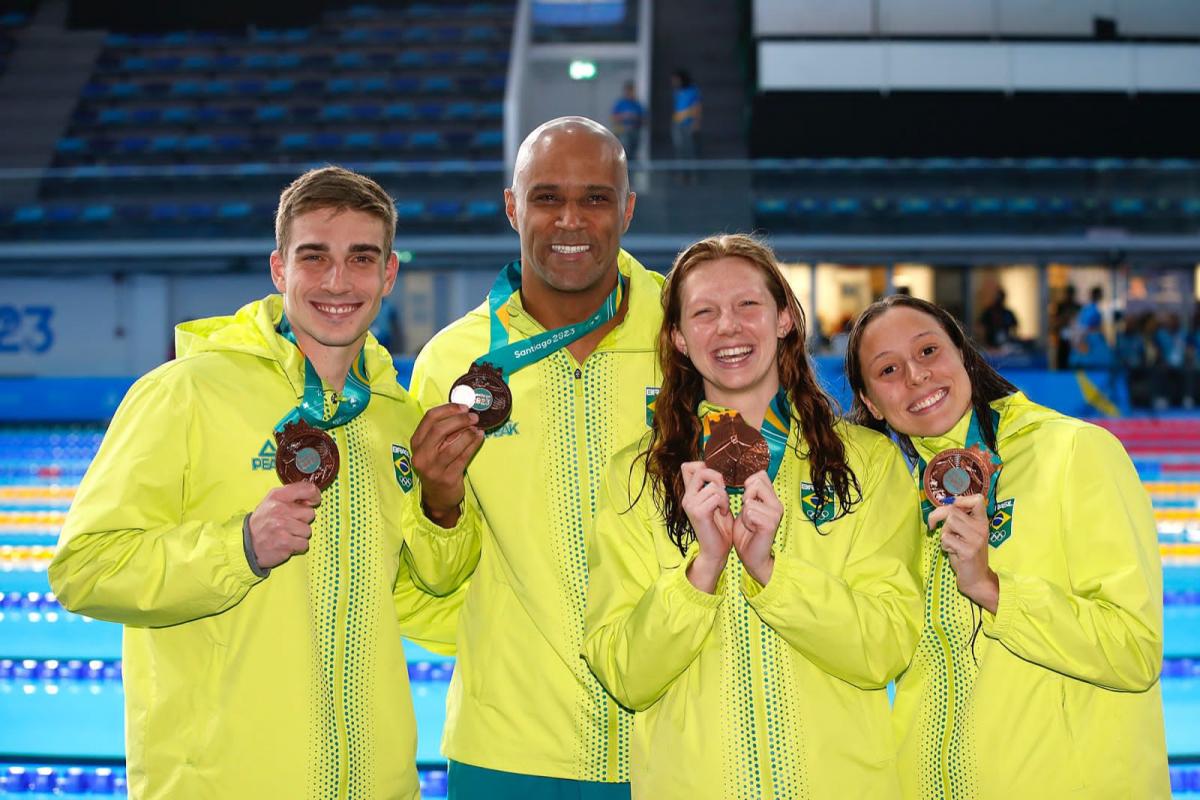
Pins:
x,y
999,323
386,327
627,118
1037,674
263,622
685,117
1090,348
1172,346
526,718
1062,326
752,629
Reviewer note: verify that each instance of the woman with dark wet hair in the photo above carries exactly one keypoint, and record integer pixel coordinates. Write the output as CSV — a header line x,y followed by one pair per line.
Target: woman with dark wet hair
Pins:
x,y
1037,670
751,606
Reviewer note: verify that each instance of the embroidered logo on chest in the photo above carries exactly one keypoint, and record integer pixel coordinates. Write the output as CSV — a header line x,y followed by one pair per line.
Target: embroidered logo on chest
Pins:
x,y
817,508
1000,525
402,461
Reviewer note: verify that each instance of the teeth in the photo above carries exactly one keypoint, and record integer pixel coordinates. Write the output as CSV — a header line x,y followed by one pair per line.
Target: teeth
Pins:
x,y
569,249
327,309
734,352
928,401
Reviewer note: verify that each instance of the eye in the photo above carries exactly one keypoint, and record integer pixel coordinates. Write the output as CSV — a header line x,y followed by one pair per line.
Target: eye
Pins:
x,y
545,197
929,349
702,312
596,199
750,302
887,370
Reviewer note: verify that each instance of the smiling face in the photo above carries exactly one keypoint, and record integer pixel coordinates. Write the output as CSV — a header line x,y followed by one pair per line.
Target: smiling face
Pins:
x,y
729,328
570,203
913,373
333,277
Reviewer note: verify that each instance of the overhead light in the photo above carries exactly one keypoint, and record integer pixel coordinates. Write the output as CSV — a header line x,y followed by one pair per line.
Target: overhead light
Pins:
x,y
582,70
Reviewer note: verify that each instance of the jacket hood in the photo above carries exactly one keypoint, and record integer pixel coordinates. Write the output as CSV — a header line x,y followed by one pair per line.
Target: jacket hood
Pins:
x,y
252,330
1017,415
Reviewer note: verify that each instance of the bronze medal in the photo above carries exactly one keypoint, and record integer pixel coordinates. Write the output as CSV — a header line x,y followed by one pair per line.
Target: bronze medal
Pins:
x,y
956,472
305,453
735,450
484,391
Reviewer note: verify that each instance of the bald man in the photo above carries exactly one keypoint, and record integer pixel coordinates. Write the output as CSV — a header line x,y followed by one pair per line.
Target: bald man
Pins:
x,y
566,341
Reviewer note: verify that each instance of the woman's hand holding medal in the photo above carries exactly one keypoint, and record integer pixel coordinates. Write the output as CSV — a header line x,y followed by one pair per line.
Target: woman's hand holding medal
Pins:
x,y
282,524
964,540
754,529
443,444
707,506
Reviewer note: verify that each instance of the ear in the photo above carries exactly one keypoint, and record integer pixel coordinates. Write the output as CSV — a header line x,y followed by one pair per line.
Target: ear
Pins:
x,y
390,271
870,406
629,204
784,323
510,209
277,271
679,342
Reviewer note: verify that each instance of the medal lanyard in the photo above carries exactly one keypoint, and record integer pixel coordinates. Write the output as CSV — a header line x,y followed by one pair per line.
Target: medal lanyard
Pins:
x,y
355,395
777,423
974,438
509,358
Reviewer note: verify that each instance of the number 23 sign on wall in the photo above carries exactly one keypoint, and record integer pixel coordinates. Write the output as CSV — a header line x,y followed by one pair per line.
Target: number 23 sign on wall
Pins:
x,y
26,329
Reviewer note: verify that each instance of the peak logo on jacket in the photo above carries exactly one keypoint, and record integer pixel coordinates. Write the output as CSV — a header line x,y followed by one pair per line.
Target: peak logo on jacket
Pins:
x,y
265,460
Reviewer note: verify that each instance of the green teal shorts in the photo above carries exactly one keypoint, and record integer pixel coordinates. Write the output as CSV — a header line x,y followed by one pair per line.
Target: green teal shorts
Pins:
x,y
479,783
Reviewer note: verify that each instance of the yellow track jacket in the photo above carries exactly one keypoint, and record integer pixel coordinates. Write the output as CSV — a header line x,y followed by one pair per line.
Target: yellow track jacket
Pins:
x,y
292,686
760,692
1060,697
522,699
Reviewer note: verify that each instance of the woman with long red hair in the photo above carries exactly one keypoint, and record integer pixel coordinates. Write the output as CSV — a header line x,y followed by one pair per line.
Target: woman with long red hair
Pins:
x,y
751,603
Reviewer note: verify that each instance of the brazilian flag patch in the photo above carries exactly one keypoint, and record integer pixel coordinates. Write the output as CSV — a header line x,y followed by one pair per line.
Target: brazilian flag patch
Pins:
x,y
817,508
1000,526
651,399
402,461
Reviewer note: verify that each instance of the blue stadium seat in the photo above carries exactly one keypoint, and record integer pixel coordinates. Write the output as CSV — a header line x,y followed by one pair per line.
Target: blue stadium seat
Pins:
x,y
198,143
248,87
186,88
373,84
197,62
367,111
28,215
62,215
129,145
426,140
443,58
400,111
280,86
461,111
393,140
232,142
494,84
1128,206
986,206
335,113
72,144
476,58
1021,206
235,210
405,85
354,35
416,34
771,207
361,140
112,116
410,210
350,60
483,209
412,59
165,212
259,62
807,207
327,141
341,86
100,212
166,63
1190,206
218,88
1058,205
491,111
445,210
199,212
487,140
178,115
288,60
125,89
845,206
481,33
952,206
271,113
914,206
430,111
166,143
295,141
438,84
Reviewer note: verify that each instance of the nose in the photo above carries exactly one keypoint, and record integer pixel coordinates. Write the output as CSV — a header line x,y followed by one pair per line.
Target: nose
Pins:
x,y
728,323
570,218
335,277
917,374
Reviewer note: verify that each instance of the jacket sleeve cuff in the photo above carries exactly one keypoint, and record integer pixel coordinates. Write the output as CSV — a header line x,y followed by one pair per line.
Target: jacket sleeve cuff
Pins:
x,y
999,624
467,518
680,585
248,547
758,595
239,554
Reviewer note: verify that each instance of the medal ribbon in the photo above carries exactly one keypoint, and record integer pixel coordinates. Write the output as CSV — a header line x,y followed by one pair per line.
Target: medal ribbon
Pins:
x,y
511,357
974,438
777,424
355,395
